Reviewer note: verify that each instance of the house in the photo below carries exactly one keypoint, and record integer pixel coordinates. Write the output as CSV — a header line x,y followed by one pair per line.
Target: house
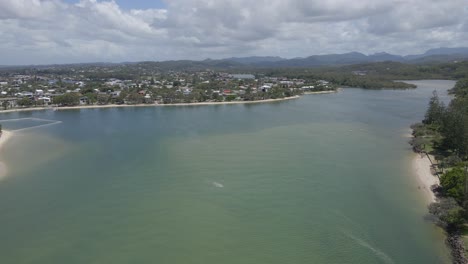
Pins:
x,y
26,94
308,87
45,99
84,100
265,88
115,94
288,83
39,92
243,76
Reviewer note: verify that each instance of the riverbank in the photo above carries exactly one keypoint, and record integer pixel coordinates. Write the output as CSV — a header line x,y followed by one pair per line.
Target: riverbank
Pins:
x,y
149,105
4,136
323,92
424,176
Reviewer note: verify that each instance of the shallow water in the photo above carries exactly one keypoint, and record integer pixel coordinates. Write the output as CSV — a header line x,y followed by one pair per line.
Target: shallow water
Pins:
x,y
321,179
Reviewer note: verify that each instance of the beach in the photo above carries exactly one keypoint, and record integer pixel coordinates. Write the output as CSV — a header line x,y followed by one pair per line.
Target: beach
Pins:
x,y
5,135
322,92
422,169
153,105
147,105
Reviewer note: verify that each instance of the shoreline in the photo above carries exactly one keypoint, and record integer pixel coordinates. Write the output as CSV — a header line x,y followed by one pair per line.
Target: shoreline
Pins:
x,y
323,92
145,105
5,136
163,105
421,166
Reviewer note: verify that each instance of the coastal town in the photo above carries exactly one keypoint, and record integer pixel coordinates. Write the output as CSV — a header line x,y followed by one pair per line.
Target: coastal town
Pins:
x,y
110,85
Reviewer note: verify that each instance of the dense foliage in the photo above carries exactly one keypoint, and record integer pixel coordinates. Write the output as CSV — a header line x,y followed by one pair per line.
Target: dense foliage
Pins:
x,y
444,133
68,99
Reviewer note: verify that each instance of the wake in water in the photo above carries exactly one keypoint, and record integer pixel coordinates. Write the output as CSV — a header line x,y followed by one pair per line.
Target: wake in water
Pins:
x,y
217,184
379,253
361,242
47,121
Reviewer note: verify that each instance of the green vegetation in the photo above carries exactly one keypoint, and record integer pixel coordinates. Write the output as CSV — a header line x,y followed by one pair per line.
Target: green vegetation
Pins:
x,y
448,212
444,133
453,183
376,75
68,99
25,102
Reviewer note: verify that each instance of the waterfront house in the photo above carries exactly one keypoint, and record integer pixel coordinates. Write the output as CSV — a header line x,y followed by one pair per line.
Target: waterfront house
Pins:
x,y
45,99
84,100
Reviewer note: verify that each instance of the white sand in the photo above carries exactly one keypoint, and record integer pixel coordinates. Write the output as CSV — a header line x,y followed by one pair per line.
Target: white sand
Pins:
x,y
146,105
153,105
424,176
322,92
3,139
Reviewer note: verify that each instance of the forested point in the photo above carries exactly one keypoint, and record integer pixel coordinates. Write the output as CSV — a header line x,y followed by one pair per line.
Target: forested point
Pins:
x,y
444,134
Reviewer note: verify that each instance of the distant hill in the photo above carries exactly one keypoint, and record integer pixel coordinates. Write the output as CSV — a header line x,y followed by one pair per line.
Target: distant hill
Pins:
x,y
255,59
430,56
433,55
439,54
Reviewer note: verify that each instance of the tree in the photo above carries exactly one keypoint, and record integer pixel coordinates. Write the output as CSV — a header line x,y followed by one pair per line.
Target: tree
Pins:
x,y
435,112
67,99
5,105
448,212
230,98
216,97
121,98
134,98
453,182
25,101
455,126
103,99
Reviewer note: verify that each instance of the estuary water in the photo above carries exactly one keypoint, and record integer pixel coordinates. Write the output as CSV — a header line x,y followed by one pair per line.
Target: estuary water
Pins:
x,y
321,179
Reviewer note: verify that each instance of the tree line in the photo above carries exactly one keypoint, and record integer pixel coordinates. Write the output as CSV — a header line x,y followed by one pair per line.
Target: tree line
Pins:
x,y
444,133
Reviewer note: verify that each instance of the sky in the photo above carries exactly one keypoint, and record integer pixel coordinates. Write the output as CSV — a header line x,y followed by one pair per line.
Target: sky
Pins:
x,y
75,31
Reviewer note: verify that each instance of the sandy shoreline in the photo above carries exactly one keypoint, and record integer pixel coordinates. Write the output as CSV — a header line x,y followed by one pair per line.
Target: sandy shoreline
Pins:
x,y
422,169
157,105
322,92
147,105
3,139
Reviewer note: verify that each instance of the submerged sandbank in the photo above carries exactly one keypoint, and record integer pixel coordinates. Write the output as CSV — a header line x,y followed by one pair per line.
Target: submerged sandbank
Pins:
x,y
424,176
5,135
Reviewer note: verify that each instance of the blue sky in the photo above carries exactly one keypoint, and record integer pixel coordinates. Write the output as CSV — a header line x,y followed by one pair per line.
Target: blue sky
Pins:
x,y
133,4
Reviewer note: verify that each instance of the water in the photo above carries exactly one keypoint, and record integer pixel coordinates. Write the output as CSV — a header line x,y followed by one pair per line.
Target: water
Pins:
x,y
322,179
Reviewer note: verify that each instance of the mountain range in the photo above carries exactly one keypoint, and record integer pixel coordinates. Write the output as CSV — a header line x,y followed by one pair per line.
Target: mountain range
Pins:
x,y
432,55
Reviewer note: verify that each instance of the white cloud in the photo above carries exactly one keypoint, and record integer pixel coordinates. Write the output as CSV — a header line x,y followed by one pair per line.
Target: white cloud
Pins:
x,y
52,31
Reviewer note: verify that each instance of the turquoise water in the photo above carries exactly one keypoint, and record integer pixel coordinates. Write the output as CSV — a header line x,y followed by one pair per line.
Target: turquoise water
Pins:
x,y
321,179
